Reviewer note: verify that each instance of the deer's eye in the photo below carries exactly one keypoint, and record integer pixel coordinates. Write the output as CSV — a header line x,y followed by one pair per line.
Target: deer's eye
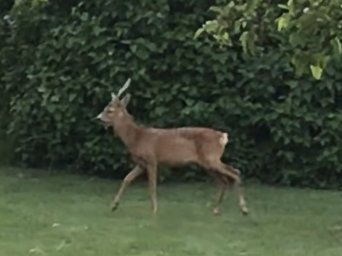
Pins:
x,y
110,110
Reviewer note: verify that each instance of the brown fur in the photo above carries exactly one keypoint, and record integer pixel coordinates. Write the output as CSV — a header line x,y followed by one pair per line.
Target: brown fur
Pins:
x,y
150,147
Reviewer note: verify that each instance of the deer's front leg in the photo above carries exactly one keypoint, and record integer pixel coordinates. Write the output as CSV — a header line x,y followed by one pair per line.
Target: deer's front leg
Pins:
x,y
152,185
132,175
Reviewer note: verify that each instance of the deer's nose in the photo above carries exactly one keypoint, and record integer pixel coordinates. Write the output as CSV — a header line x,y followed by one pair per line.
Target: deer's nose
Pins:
x,y
99,116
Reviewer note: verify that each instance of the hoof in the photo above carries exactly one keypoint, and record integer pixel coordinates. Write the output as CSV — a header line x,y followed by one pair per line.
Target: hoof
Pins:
x,y
114,206
244,211
216,211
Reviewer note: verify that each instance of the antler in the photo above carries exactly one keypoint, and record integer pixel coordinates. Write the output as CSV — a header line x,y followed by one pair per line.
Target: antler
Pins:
x,y
124,87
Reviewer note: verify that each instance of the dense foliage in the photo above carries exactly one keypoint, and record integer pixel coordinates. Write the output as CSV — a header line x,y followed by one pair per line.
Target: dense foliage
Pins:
x,y
60,61
311,28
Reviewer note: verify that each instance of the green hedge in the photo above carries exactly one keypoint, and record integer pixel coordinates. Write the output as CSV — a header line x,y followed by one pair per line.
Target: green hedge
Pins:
x,y
60,62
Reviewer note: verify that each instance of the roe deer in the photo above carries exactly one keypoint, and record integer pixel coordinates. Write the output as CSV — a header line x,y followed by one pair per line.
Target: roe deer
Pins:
x,y
150,147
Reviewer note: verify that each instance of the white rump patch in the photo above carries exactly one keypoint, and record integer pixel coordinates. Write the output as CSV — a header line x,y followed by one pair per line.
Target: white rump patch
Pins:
x,y
224,139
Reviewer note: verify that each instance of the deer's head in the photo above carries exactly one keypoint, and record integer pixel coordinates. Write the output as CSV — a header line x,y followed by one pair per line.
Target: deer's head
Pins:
x,y
116,108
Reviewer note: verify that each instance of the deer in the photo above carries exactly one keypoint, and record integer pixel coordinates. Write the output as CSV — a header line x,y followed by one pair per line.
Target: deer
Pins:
x,y
150,147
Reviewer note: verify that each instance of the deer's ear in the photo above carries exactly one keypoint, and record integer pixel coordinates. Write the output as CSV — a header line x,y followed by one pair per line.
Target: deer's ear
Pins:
x,y
125,100
113,96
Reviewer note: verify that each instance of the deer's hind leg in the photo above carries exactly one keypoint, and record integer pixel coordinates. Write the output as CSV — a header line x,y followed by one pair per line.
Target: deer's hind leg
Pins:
x,y
222,183
232,173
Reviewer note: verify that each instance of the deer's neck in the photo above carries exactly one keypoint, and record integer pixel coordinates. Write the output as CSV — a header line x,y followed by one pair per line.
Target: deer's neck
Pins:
x,y
127,130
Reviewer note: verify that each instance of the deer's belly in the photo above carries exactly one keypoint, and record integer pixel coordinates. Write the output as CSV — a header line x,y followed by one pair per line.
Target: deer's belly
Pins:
x,y
177,155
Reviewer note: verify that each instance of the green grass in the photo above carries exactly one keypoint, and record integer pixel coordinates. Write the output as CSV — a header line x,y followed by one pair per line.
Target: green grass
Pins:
x,y
61,214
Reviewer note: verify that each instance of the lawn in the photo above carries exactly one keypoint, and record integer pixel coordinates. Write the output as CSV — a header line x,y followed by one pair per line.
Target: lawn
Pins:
x,y
60,214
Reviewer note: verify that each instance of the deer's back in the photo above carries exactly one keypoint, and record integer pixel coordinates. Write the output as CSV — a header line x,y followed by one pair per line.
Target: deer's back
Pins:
x,y
181,145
